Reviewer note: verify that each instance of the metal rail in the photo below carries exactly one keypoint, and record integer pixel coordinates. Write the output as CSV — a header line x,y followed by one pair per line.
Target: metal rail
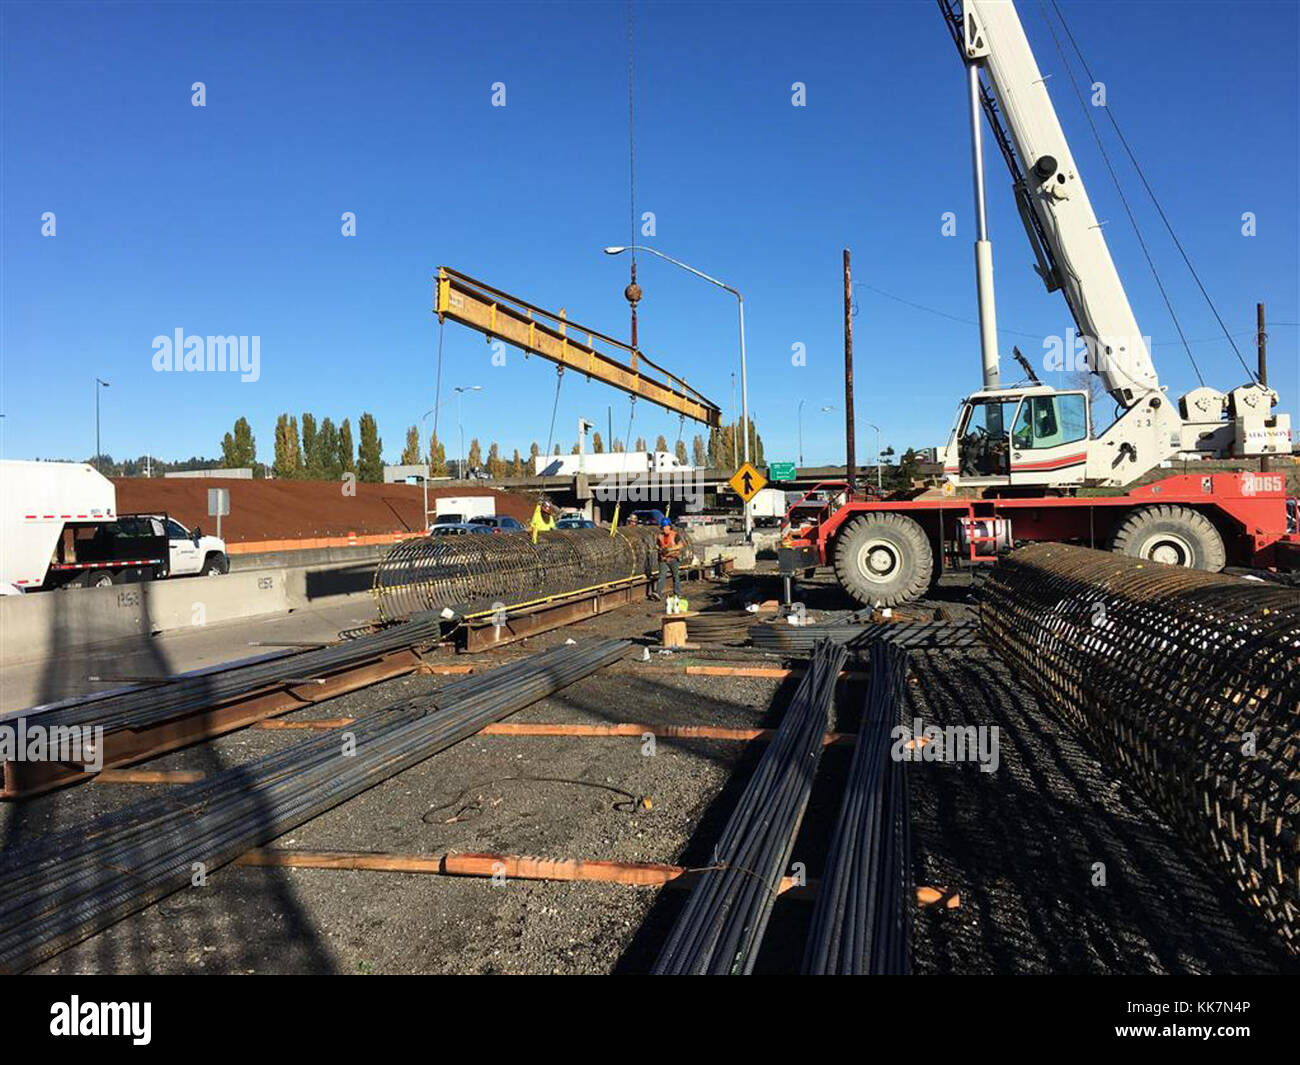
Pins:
x,y
1188,681
862,921
66,886
481,573
722,925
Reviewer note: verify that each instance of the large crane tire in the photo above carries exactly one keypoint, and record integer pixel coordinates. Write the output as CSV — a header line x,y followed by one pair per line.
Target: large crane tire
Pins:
x,y
884,559
1177,536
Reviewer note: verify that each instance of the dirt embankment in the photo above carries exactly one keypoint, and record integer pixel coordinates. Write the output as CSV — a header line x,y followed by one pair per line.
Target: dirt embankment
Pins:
x,y
292,510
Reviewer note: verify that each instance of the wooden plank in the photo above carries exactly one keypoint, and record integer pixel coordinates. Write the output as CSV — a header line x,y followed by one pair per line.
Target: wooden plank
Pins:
x,y
507,866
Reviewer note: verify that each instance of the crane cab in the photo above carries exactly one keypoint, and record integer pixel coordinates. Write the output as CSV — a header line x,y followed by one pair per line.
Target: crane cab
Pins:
x,y
1032,436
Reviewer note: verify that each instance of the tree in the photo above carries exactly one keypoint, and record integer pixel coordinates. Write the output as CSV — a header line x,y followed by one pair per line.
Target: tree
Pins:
x,y
475,459
661,442
698,454
517,465
496,464
640,443
327,448
288,450
437,458
533,452
557,450
597,444
1089,382
680,452
411,453
618,445
310,448
370,456
239,449
347,451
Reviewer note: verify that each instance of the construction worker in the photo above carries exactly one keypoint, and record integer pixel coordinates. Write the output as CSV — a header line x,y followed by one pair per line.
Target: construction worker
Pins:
x,y
543,519
670,559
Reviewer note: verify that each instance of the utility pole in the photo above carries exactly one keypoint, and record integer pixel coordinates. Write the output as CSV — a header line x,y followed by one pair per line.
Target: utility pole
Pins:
x,y
1262,341
850,472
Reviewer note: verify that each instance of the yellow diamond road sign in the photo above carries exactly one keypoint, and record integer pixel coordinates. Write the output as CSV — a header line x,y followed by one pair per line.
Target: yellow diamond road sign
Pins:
x,y
747,482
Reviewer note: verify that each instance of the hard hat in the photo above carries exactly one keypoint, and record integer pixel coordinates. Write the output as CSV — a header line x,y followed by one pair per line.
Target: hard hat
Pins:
x,y
664,523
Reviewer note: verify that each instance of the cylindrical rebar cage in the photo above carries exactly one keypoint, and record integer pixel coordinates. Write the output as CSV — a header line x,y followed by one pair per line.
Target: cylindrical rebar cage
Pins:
x,y
1188,681
481,571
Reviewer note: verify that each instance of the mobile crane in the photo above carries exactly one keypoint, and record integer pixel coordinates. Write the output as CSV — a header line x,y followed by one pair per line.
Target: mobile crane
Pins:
x,y
1022,452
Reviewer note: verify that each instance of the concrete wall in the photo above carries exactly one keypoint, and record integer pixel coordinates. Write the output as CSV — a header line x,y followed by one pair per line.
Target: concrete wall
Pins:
x,y
42,624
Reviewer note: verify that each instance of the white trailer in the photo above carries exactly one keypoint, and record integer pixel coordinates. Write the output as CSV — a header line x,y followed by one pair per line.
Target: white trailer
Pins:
x,y
458,509
607,463
767,507
59,526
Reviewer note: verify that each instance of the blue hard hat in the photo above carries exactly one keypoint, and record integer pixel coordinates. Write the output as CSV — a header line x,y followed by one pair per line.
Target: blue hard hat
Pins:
x,y
664,523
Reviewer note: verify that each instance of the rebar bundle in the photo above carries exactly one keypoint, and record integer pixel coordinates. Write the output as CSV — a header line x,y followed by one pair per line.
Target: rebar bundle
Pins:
x,y
1188,681
722,924
782,637
138,706
61,888
479,571
862,921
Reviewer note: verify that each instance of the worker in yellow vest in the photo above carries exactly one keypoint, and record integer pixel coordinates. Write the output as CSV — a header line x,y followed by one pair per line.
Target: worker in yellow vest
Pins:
x,y
543,520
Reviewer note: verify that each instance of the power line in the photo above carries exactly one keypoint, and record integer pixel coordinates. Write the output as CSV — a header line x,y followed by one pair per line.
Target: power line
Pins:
x,y
1150,192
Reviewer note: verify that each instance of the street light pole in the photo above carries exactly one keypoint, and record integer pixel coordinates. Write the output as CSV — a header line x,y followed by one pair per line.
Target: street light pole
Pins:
x,y
869,425
425,479
801,403
99,465
460,426
744,376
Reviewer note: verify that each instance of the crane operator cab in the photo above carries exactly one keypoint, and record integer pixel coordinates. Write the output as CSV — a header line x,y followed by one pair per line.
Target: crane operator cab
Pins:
x,y
1025,436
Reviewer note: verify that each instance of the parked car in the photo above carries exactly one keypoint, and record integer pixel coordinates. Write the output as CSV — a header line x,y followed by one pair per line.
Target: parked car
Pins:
x,y
456,528
575,523
498,523
646,517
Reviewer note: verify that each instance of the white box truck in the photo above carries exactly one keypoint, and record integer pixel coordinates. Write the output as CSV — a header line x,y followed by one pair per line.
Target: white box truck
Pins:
x,y
59,527
456,510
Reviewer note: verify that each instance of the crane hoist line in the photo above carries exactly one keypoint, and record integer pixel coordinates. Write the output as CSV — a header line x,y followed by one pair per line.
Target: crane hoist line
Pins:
x,y
535,331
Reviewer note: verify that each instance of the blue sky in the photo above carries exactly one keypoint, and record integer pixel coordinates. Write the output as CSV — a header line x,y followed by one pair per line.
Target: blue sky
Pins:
x,y
226,219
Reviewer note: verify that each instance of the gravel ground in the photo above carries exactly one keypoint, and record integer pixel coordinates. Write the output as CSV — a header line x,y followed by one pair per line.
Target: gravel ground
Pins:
x,y
1018,844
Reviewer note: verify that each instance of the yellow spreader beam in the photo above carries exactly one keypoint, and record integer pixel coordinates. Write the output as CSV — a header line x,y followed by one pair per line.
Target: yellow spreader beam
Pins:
x,y
575,347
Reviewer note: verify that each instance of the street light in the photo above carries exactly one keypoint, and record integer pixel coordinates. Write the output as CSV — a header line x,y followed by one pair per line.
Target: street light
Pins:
x,y
460,390
877,429
98,462
744,379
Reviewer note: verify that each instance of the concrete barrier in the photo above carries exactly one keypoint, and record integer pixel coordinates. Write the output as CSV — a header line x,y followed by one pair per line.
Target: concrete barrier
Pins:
x,y
46,624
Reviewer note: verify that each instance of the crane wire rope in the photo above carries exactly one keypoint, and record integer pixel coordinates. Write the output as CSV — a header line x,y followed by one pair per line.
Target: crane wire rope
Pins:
x,y
1154,199
1128,210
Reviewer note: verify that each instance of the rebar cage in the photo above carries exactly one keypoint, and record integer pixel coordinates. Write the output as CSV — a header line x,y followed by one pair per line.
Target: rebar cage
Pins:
x,y
1188,681
479,572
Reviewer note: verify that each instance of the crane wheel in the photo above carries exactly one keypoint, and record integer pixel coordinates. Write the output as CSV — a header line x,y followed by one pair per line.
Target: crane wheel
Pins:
x,y
1177,536
884,559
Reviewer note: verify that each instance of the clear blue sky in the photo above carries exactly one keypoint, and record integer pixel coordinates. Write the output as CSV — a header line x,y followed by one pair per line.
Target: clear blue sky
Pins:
x,y
226,219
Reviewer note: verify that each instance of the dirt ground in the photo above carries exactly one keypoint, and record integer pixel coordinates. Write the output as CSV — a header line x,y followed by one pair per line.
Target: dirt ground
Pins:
x,y
1018,845
296,510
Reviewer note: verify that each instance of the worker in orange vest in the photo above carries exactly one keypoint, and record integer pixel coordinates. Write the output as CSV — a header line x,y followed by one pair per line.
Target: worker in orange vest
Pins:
x,y
670,559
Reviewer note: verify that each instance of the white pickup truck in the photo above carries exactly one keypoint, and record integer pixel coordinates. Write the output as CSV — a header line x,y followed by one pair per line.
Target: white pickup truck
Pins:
x,y
59,527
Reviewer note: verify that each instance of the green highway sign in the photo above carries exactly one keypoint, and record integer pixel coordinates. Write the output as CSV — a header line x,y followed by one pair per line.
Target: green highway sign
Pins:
x,y
781,471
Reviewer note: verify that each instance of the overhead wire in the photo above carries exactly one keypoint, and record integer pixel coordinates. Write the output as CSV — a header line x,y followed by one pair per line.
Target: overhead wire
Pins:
x,y
1151,193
